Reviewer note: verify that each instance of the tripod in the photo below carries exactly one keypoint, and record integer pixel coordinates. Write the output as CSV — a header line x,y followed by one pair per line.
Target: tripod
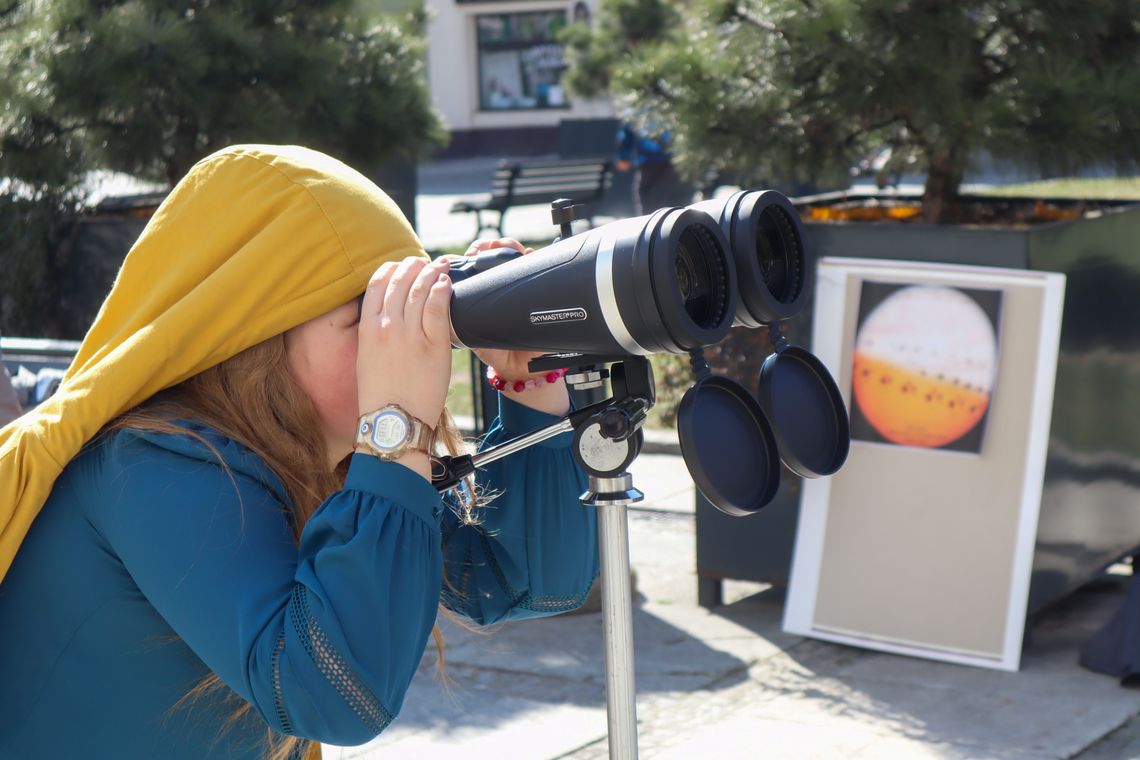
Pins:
x,y
607,438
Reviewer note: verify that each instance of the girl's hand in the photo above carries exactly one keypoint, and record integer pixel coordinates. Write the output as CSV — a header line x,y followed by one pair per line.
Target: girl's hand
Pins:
x,y
488,244
512,365
404,352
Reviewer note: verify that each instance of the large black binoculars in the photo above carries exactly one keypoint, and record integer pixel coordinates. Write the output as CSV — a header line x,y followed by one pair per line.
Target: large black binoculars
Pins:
x,y
675,281
669,282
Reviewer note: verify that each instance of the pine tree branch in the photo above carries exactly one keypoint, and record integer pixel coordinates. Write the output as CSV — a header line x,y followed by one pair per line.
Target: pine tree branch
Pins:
x,y
7,16
740,13
661,92
922,142
855,134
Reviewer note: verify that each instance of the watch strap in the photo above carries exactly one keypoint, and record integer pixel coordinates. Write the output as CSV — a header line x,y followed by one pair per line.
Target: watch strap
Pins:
x,y
423,436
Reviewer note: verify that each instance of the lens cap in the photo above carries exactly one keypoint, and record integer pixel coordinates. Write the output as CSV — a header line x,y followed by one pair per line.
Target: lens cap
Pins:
x,y
807,411
728,445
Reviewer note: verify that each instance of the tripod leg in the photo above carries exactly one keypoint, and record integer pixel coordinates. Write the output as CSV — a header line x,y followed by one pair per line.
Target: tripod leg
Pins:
x,y
617,630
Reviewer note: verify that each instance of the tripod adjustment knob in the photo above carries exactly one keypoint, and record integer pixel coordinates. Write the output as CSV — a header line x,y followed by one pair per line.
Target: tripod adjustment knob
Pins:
x,y
615,424
564,210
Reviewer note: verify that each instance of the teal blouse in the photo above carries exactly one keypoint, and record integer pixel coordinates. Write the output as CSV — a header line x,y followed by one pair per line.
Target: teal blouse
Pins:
x,y
151,565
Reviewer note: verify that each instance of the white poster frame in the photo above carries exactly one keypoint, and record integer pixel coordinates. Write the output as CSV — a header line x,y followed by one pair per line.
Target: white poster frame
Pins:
x,y
828,336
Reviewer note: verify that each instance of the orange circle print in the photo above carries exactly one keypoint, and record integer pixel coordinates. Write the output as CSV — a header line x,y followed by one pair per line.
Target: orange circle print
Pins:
x,y
924,366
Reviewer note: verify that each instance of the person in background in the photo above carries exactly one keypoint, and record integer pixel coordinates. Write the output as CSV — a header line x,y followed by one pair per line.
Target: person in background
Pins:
x,y
656,183
220,534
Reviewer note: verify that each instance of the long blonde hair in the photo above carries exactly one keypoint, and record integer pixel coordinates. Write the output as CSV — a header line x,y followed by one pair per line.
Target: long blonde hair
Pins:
x,y
253,399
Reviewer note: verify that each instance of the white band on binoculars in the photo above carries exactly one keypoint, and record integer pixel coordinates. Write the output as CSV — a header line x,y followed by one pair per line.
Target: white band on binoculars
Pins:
x,y
607,297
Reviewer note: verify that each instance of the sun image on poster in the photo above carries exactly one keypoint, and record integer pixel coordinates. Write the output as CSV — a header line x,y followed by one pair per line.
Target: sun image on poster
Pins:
x,y
925,362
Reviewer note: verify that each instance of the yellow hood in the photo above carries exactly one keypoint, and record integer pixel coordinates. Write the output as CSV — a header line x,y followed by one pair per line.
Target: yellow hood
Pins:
x,y
254,240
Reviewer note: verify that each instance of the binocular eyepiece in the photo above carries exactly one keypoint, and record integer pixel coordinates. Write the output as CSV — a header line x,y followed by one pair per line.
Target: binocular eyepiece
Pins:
x,y
767,243
675,281
672,281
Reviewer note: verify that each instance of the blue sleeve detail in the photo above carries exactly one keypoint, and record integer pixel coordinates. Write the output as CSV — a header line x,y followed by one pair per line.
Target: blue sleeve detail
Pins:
x,y
395,481
534,551
323,640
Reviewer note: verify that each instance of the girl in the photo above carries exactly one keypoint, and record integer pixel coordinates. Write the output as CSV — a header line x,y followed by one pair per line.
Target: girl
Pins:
x,y
235,550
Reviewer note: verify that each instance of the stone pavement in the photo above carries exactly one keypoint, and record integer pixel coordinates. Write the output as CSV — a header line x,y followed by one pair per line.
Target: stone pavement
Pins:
x,y
729,683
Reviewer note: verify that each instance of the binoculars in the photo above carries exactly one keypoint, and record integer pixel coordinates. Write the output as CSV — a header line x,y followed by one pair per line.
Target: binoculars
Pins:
x,y
672,281
675,281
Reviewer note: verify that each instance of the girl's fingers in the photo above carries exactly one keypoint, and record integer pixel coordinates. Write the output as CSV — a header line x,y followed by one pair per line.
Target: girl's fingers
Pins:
x,y
436,317
373,302
485,244
399,286
510,243
481,244
418,295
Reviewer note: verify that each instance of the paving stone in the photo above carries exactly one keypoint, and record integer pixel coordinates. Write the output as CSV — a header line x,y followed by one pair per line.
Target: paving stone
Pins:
x,y
1122,744
504,728
885,748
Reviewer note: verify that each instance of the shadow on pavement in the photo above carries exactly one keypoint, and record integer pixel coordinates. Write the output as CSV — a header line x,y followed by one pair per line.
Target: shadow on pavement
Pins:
x,y
558,661
1051,708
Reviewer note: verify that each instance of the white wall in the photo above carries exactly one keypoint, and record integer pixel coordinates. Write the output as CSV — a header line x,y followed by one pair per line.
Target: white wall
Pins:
x,y
453,68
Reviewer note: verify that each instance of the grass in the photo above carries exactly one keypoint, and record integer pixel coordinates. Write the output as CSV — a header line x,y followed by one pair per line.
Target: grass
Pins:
x,y
1116,188
459,401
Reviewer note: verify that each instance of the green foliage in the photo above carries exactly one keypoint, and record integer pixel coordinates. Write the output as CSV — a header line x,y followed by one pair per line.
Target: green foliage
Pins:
x,y
30,233
673,375
148,87
793,89
622,27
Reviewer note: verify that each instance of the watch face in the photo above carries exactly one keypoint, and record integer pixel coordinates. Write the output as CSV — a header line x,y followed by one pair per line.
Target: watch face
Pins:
x,y
390,430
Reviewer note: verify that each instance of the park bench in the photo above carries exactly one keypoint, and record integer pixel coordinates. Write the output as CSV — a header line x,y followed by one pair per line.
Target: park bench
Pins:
x,y
517,183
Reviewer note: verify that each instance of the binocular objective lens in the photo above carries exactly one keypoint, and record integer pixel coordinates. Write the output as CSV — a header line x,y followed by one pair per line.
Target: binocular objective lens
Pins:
x,y
781,254
700,271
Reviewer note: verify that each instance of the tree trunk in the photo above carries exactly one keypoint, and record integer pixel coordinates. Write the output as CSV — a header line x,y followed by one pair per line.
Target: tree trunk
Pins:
x,y
185,152
940,199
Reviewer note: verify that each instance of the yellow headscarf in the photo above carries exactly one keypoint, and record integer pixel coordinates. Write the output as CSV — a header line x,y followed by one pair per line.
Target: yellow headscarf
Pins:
x,y
256,239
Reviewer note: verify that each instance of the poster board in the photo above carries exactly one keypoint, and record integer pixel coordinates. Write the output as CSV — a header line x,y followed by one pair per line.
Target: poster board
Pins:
x,y
922,544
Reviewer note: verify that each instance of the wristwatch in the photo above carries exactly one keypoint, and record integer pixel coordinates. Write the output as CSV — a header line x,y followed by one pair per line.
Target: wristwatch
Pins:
x,y
390,432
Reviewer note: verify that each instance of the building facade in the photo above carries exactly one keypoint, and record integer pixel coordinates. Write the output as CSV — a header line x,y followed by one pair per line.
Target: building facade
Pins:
x,y
495,69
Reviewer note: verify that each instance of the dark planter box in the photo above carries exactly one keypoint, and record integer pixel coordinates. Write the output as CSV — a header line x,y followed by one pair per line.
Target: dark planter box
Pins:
x,y
1090,508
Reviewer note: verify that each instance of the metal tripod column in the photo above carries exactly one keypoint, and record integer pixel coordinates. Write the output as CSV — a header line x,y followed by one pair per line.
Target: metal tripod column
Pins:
x,y
611,496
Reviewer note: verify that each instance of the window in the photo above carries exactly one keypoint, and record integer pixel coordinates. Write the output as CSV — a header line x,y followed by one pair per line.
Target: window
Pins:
x,y
520,60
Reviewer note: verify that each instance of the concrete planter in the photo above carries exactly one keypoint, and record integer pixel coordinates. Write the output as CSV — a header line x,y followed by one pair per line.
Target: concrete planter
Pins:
x,y
1090,510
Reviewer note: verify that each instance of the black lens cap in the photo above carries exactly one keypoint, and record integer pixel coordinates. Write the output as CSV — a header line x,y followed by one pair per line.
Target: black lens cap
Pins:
x,y
728,445
806,410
